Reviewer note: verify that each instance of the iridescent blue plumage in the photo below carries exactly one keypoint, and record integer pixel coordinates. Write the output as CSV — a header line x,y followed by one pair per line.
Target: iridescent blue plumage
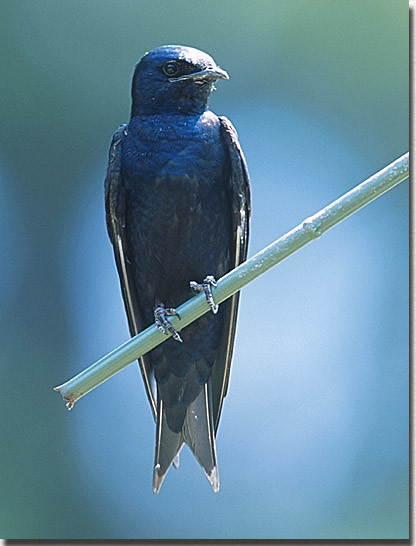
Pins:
x,y
177,201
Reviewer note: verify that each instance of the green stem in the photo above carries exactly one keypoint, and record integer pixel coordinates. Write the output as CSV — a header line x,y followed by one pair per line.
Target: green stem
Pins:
x,y
311,228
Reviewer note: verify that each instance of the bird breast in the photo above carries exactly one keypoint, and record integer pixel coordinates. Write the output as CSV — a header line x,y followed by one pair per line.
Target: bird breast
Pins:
x,y
173,145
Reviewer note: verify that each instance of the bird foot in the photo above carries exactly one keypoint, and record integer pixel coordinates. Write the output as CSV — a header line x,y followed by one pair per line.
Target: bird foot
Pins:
x,y
205,286
161,321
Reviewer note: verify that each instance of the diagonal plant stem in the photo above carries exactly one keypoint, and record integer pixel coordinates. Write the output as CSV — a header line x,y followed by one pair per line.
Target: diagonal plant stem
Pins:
x,y
311,228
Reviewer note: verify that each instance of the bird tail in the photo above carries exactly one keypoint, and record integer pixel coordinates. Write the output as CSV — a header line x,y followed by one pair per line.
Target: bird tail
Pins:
x,y
197,432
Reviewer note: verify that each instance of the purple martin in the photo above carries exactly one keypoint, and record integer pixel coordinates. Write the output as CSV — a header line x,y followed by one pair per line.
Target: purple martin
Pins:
x,y
177,208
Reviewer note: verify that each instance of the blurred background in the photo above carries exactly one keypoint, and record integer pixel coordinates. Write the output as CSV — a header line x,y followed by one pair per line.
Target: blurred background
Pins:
x,y
313,439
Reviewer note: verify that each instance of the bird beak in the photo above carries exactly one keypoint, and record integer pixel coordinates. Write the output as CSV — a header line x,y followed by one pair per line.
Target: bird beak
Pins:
x,y
207,75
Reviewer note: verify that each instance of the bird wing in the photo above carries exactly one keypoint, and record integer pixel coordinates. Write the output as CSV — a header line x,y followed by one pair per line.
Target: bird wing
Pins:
x,y
115,206
241,210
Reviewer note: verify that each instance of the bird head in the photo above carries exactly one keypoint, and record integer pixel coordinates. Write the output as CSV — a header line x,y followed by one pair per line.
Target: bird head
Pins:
x,y
174,79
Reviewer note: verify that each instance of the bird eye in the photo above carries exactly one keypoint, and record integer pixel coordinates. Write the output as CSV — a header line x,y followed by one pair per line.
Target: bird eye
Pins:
x,y
171,68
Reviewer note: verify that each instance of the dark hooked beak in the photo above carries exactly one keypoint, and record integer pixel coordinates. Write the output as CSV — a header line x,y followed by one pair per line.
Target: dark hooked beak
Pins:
x,y
207,75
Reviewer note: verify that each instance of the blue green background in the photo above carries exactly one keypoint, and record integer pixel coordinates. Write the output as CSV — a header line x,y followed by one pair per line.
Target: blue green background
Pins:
x,y
313,439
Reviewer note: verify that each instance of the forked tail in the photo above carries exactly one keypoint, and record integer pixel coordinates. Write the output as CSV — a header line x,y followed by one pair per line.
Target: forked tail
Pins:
x,y
197,432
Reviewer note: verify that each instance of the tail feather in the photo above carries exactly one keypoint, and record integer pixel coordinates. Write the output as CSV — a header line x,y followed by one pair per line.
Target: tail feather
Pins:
x,y
197,432
199,435
168,445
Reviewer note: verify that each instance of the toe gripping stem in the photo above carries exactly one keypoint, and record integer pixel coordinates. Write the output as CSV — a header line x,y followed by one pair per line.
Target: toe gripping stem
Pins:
x,y
205,286
161,321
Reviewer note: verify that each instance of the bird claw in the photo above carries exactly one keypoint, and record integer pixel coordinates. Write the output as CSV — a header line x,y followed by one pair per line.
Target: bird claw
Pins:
x,y
205,286
160,314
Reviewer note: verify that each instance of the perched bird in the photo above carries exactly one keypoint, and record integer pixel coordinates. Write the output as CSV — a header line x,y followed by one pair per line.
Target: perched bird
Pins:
x,y
177,209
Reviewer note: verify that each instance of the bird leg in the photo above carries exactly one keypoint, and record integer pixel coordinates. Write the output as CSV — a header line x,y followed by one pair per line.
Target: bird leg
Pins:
x,y
160,314
206,287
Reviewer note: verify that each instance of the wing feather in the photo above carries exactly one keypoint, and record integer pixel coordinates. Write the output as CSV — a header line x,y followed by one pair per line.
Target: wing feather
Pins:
x,y
115,206
241,210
